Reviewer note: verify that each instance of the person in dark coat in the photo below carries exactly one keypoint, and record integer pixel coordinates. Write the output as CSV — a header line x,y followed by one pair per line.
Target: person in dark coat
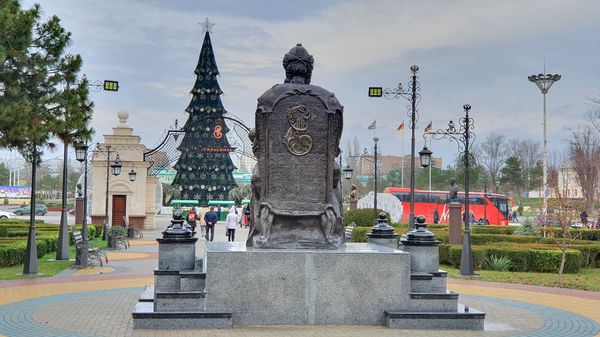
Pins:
x,y
210,218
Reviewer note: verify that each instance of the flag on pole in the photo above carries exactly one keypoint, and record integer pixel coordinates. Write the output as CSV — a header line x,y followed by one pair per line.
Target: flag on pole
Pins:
x,y
373,125
429,127
401,127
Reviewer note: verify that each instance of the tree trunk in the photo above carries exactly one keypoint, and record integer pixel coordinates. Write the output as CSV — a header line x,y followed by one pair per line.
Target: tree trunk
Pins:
x,y
563,259
62,251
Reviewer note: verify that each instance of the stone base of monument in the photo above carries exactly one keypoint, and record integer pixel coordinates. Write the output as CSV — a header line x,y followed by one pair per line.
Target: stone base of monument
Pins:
x,y
359,284
353,285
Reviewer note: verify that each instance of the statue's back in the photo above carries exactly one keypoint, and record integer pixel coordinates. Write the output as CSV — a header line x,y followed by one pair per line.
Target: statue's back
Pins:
x,y
296,202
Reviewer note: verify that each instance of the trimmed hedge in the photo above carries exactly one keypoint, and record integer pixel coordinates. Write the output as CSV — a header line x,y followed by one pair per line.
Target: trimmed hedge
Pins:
x,y
522,258
361,217
5,227
91,232
13,252
99,230
19,221
586,234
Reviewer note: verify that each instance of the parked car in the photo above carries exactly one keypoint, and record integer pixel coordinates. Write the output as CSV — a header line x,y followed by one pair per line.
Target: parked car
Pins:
x,y
7,215
39,210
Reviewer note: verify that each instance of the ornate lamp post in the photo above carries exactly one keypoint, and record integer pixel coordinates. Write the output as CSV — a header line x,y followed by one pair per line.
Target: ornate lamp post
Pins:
x,y
375,216
462,136
81,156
365,156
347,172
544,82
413,96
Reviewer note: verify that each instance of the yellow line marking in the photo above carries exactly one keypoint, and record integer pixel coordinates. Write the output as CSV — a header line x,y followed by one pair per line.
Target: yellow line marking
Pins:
x,y
20,293
94,271
143,242
125,256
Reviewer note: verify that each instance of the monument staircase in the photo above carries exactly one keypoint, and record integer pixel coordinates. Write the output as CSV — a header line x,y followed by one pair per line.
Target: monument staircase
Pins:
x,y
177,298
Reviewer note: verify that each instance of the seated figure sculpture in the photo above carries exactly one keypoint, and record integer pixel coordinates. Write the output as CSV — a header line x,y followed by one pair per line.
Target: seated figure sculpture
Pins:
x,y
296,201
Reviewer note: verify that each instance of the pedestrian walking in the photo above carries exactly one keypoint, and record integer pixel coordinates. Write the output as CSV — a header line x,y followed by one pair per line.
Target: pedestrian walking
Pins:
x,y
584,218
231,223
192,217
436,216
245,215
210,218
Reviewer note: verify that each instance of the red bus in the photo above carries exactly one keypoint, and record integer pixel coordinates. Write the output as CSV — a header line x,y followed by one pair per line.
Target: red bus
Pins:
x,y
487,208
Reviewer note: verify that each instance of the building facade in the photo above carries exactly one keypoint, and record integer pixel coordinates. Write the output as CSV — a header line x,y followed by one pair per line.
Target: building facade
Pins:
x,y
128,201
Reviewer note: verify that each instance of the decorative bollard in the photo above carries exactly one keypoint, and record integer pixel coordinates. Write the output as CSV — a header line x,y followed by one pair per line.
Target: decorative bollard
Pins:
x,y
177,229
383,234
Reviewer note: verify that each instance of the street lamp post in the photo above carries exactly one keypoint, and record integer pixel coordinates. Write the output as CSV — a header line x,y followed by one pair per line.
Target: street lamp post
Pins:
x,y
365,155
412,95
544,82
375,215
81,156
462,135
116,170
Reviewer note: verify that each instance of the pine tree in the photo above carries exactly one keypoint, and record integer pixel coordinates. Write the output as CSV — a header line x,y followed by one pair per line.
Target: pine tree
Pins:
x,y
204,169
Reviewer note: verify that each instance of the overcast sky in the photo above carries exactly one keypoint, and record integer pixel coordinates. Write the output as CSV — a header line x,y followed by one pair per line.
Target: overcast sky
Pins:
x,y
476,52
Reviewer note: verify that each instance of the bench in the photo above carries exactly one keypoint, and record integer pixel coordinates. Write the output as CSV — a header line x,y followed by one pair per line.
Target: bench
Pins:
x,y
134,233
117,238
94,254
349,231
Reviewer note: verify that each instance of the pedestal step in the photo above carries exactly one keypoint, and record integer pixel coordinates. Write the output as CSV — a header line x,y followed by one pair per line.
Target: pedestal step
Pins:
x,y
199,263
434,282
179,301
144,317
148,294
437,302
192,280
470,320
166,280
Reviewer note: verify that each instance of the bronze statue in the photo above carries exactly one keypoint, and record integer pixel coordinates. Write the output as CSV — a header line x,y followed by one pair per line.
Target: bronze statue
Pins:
x,y
352,192
453,195
297,201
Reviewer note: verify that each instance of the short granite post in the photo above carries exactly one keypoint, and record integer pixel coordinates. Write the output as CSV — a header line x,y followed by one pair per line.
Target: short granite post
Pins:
x,y
454,223
423,246
383,234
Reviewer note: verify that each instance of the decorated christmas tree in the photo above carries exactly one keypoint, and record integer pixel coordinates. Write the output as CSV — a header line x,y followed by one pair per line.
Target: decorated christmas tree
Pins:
x,y
204,169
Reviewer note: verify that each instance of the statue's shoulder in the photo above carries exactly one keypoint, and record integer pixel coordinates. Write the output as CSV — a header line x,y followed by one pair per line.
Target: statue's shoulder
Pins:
x,y
271,97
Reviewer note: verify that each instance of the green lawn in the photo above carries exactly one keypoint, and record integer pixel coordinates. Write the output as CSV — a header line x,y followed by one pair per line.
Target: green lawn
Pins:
x,y
46,267
586,279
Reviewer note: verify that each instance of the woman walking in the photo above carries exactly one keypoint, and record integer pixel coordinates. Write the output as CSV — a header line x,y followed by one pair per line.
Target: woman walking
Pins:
x,y
231,223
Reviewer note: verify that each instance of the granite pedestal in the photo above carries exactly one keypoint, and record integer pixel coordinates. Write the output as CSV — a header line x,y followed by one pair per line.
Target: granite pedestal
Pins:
x,y
454,223
353,285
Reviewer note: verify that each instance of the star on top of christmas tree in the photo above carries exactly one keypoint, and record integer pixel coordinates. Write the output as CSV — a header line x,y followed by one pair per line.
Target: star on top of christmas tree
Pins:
x,y
206,26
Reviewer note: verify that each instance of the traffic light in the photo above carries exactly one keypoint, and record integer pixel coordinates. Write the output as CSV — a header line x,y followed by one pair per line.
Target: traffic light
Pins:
x,y
375,91
111,85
